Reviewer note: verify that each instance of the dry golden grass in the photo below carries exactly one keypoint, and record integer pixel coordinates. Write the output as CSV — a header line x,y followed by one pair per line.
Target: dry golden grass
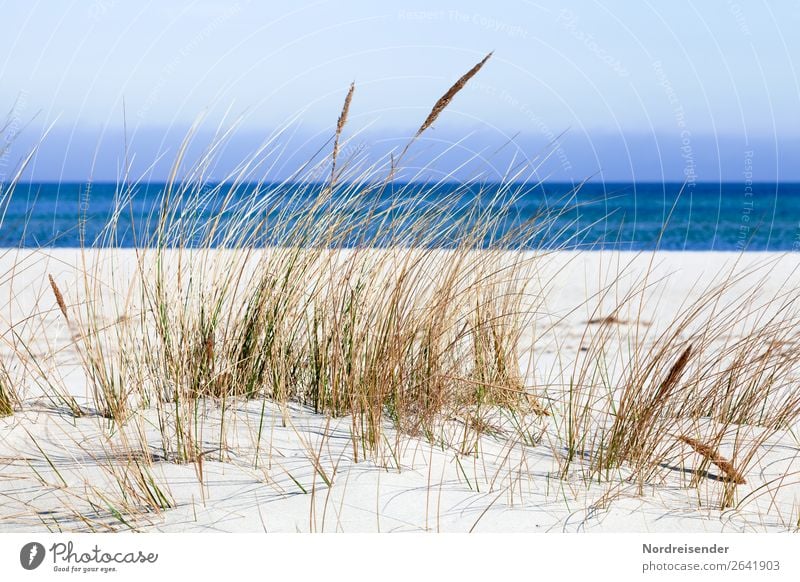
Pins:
x,y
62,306
445,99
339,128
711,455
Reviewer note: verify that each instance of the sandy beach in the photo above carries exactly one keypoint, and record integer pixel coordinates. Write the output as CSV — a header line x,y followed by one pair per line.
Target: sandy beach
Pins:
x,y
274,464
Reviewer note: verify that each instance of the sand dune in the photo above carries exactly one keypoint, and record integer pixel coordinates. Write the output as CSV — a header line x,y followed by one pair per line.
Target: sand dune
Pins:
x,y
272,465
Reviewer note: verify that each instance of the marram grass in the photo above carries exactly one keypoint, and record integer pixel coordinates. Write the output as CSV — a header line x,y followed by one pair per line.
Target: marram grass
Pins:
x,y
359,314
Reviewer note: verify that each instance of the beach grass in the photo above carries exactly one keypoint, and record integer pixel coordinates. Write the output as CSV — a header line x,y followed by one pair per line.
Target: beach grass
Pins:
x,y
323,295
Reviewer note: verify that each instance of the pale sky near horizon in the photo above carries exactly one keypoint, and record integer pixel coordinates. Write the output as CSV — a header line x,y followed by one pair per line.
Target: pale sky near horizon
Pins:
x,y
645,91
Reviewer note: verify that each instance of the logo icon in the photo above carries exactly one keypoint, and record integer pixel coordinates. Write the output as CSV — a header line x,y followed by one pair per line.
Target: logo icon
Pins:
x,y
31,555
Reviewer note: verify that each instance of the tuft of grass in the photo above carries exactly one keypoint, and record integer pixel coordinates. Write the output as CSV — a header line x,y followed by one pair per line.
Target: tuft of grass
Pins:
x,y
356,310
722,366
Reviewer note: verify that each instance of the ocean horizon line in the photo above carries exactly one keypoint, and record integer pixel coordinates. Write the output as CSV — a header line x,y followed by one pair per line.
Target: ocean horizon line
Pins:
x,y
673,183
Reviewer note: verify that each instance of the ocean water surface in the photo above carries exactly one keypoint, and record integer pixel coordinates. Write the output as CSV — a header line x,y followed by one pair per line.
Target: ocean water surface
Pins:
x,y
624,216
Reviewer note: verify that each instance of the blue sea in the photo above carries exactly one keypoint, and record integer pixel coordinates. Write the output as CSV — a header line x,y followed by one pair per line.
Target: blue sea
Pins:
x,y
624,216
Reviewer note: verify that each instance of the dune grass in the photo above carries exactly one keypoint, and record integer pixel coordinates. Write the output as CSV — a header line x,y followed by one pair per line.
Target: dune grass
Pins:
x,y
403,317
356,311
7,398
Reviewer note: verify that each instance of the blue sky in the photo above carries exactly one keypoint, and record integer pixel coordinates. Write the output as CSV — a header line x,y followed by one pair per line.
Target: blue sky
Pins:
x,y
646,90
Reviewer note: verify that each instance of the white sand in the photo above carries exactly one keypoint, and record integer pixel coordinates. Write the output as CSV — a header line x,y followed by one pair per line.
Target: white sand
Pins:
x,y
54,468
